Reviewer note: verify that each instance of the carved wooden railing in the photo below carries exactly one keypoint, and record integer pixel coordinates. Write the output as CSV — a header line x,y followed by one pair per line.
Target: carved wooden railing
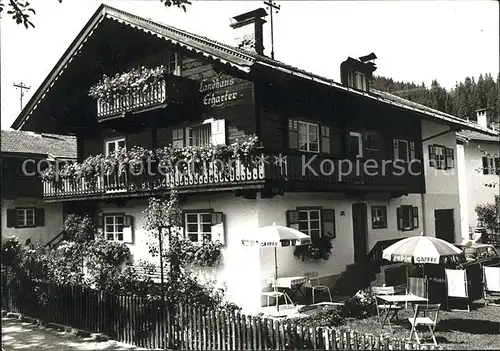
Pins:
x,y
278,170
169,89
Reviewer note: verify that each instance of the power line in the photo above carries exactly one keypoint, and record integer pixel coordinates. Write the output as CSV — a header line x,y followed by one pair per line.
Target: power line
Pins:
x,y
22,87
272,6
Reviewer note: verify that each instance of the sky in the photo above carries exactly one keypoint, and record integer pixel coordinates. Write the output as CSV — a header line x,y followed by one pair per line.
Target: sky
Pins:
x,y
414,40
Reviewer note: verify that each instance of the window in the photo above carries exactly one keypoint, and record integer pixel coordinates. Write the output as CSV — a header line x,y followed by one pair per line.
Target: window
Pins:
x,y
379,217
199,226
314,222
403,150
113,145
204,225
491,165
357,80
113,227
441,157
305,136
355,145
174,64
178,138
371,141
309,222
25,217
200,135
407,217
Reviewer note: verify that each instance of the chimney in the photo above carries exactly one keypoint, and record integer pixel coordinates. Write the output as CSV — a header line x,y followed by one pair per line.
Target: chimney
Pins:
x,y
358,73
248,31
482,120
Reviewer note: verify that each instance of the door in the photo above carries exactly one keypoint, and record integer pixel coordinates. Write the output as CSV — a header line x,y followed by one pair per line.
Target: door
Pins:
x,y
360,231
445,225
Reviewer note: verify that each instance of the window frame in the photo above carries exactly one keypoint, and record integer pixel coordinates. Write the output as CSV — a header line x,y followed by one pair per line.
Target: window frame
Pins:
x,y
308,143
116,141
359,135
115,233
353,80
310,209
200,126
25,217
176,62
199,233
383,209
412,211
410,149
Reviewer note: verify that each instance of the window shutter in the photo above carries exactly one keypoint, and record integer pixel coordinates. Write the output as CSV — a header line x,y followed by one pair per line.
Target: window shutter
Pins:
x,y
219,132
328,217
292,219
325,139
128,229
99,222
485,165
218,227
412,150
399,215
178,138
11,218
449,158
40,217
395,148
293,135
432,156
497,166
415,217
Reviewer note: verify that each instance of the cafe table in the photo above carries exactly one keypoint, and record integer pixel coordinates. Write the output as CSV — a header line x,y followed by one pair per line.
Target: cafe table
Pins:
x,y
293,284
397,300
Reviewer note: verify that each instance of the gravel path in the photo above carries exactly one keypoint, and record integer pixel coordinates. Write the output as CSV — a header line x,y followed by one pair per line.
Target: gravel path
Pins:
x,y
18,335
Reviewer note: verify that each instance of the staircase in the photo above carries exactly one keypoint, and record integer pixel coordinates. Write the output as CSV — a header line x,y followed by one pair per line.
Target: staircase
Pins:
x,y
55,240
360,275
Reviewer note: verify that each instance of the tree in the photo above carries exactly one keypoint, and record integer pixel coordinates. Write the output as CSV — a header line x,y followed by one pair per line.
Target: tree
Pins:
x,y
21,10
163,219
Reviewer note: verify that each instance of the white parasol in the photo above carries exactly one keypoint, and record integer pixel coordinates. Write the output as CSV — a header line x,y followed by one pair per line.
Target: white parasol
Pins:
x,y
275,236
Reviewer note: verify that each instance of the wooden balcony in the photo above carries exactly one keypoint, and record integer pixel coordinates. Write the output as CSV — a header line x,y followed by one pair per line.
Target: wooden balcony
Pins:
x,y
170,90
260,171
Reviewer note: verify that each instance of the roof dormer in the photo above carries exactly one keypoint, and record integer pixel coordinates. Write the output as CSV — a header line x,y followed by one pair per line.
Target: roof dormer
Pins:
x,y
357,73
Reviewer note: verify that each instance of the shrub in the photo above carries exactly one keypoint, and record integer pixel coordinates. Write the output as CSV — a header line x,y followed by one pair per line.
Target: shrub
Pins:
x,y
361,305
324,318
487,216
319,249
11,252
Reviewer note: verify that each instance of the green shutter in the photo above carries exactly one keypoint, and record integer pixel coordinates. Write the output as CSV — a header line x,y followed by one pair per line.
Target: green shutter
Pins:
x,y
415,217
11,218
293,135
292,219
328,219
39,217
485,165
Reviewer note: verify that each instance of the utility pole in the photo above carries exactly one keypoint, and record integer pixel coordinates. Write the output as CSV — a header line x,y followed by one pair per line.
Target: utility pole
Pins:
x,y
272,6
22,87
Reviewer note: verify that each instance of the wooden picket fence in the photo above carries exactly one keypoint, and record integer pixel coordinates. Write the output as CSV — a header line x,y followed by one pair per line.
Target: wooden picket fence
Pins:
x,y
153,324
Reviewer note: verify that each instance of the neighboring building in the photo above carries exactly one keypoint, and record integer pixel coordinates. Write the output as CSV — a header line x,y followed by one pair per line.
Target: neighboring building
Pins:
x,y
479,165
216,93
24,213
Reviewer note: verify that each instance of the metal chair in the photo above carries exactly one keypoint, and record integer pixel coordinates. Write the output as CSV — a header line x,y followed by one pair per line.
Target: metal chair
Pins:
x,y
423,318
383,306
313,283
275,293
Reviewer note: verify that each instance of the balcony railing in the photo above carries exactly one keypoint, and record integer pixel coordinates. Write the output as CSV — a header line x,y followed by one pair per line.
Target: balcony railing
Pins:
x,y
274,170
170,89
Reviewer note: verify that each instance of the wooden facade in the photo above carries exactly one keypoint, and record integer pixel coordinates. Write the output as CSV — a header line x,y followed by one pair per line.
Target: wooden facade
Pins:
x,y
264,102
15,183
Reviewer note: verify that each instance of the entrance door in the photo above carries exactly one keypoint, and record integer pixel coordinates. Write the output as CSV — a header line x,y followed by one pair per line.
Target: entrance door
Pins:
x,y
445,225
360,231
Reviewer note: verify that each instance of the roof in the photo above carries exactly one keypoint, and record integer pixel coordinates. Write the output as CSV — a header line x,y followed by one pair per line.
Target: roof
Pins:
x,y
471,135
22,142
238,58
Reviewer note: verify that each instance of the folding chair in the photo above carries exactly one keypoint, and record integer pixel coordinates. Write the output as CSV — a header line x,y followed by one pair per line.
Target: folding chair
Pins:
x,y
384,306
418,287
491,290
313,283
423,318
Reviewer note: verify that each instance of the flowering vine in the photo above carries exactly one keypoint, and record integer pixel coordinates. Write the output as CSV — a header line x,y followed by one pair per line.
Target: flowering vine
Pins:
x,y
131,82
136,159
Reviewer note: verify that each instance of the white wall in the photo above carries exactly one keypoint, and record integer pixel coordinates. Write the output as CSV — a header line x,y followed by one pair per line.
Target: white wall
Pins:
x,y
38,235
477,192
245,270
442,187
462,185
